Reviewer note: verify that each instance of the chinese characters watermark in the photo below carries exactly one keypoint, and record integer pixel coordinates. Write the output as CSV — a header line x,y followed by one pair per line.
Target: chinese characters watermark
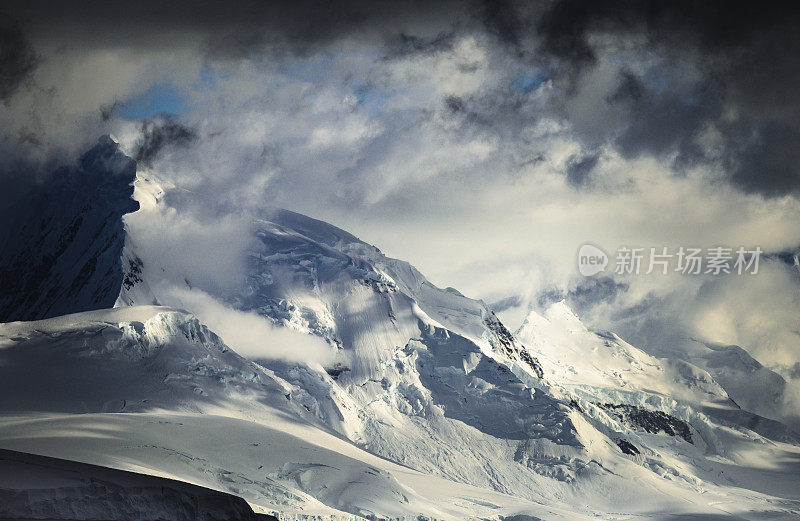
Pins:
x,y
718,260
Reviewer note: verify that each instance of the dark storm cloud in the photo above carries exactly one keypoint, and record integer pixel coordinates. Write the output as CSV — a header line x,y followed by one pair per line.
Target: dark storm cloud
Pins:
x,y
402,44
17,59
744,55
591,291
503,19
662,122
454,103
715,28
160,133
769,161
580,168
506,303
728,68
234,30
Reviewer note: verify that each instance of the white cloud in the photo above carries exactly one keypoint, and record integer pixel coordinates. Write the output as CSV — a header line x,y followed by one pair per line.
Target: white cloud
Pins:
x,y
248,333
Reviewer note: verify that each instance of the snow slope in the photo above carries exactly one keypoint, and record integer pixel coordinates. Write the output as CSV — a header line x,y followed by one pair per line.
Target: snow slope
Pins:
x,y
765,392
601,367
150,390
164,396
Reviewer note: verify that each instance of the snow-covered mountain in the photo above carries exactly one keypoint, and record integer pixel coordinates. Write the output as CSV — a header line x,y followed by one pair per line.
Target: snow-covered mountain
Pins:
x,y
766,391
150,389
424,405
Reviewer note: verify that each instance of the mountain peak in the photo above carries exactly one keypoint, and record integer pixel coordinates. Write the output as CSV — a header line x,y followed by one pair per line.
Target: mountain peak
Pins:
x,y
62,248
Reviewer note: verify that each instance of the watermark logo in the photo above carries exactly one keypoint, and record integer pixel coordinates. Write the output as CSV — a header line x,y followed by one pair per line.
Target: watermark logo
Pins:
x,y
591,260
662,260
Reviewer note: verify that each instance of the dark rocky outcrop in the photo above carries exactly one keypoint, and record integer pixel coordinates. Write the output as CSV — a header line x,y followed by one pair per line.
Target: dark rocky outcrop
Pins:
x,y
654,422
36,487
62,242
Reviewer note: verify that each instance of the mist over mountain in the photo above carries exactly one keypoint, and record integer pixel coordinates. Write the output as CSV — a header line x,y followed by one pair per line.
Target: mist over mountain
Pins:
x,y
336,381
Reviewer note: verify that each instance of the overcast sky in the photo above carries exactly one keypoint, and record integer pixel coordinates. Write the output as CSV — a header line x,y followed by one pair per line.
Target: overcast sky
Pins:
x,y
484,142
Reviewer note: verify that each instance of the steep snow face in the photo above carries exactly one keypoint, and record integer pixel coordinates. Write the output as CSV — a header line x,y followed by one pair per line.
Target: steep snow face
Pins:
x,y
751,385
603,366
635,399
601,369
62,243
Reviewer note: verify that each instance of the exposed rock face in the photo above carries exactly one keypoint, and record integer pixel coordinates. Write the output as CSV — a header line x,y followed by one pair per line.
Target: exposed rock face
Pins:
x,y
61,245
654,422
627,447
510,346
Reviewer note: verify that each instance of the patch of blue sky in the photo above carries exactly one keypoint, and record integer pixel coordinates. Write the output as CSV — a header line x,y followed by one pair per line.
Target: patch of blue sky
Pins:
x,y
166,98
528,82
313,70
370,98
210,78
160,98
